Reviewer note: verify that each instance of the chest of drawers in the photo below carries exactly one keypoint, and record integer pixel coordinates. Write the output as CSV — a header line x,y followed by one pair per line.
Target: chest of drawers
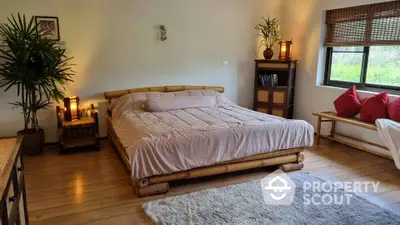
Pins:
x,y
13,208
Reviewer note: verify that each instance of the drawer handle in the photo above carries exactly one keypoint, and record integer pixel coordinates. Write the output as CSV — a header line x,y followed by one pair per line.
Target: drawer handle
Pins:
x,y
20,169
12,199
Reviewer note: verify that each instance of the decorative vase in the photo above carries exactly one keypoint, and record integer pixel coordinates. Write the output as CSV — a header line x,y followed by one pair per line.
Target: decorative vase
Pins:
x,y
268,53
33,141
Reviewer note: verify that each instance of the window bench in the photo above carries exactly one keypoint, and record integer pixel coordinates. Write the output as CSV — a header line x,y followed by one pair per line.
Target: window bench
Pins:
x,y
323,117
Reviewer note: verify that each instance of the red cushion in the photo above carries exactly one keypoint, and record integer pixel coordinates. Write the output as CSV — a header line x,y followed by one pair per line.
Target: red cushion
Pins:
x,y
374,107
362,101
348,105
394,110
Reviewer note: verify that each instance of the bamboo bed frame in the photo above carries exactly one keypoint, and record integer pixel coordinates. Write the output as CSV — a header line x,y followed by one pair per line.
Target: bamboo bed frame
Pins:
x,y
287,160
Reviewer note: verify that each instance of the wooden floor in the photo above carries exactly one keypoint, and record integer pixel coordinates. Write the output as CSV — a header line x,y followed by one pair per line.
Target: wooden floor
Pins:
x,y
94,188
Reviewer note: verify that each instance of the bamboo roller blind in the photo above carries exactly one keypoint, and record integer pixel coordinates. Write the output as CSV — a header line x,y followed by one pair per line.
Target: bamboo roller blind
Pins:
x,y
374,24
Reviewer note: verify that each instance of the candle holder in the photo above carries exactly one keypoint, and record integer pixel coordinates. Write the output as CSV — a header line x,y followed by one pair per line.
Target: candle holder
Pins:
x,y
285,52
71,108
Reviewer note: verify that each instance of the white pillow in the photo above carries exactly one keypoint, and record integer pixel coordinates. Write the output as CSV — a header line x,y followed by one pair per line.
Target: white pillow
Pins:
x,y
169,103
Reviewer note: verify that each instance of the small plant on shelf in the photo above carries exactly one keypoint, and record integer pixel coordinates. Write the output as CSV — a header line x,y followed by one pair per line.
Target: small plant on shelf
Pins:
x,y
269,31
37,69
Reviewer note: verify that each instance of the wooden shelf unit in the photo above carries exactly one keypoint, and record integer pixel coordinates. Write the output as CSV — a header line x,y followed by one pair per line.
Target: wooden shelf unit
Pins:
x,y
275,100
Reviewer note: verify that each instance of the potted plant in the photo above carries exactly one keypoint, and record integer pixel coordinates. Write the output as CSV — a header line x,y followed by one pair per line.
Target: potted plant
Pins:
x,y
269,31
37,69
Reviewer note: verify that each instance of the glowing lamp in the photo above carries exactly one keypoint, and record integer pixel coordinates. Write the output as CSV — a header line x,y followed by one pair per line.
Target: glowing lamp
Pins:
x,y
285,52
71,108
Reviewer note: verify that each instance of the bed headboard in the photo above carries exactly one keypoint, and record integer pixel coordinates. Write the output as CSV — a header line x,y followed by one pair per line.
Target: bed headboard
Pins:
x,y
116,94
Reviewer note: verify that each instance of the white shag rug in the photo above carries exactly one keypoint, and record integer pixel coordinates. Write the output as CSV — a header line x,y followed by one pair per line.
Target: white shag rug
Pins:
x,y
244,204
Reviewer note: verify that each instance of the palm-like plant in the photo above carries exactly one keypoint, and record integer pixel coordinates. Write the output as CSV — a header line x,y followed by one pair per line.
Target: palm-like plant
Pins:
x,y
269,31
35,65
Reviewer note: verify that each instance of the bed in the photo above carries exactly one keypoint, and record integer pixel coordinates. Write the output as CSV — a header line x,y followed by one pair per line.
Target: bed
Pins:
x,y
162,146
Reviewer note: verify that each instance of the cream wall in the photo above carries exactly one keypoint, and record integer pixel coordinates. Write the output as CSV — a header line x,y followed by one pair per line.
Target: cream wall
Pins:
x,y
115,46
304,22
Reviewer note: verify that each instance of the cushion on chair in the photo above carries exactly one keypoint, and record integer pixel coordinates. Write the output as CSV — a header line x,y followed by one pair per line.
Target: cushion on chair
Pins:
x,y
374,107
394,110
348,105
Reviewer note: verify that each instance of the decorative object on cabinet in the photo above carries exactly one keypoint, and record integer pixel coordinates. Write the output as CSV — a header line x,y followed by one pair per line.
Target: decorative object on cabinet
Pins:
x,y
163,33
269,31
285,52
275,95
13,209
48,27
78,133
71,107
38,69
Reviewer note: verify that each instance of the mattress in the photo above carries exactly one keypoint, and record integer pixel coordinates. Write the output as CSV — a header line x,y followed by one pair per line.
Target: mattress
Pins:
x,y
159,143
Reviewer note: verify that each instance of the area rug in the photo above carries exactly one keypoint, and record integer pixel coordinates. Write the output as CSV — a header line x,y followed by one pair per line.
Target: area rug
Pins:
x,y
244,204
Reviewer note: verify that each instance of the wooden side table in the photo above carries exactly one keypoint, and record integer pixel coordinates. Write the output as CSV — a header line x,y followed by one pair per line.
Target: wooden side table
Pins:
x,y
78,133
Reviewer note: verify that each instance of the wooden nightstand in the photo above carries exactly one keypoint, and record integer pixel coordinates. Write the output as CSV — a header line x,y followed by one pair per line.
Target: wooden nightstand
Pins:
x,y
78,133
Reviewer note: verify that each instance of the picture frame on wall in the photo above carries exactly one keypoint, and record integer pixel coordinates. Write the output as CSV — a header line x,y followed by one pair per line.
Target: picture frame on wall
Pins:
x,y
48,26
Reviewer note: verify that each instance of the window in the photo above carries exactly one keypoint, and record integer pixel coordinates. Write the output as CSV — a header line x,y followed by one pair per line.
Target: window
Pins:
x,y
369,66
363,46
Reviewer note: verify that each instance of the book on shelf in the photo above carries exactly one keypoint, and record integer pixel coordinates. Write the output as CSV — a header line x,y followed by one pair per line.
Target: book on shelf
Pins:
x,y
268,80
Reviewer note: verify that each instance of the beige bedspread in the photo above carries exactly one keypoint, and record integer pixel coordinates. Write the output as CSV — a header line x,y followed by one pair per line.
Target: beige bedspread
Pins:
x,y
166,142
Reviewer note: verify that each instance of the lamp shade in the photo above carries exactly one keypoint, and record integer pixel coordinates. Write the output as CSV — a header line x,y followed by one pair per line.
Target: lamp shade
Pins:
x,y
71,105
285,50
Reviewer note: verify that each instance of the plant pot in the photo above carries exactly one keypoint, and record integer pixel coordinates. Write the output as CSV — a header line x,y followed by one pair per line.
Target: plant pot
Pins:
x,y
32,142
268,53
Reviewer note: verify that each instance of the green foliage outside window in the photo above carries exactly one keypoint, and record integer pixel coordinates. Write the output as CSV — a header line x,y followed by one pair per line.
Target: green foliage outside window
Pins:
x,y
383,65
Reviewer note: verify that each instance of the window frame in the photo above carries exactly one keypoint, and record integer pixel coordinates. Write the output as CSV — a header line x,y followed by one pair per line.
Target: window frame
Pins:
x,y
362,85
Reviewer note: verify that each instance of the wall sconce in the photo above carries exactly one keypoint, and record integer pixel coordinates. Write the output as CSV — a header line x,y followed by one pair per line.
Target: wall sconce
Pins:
x,y
71,111
285,52
163,33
